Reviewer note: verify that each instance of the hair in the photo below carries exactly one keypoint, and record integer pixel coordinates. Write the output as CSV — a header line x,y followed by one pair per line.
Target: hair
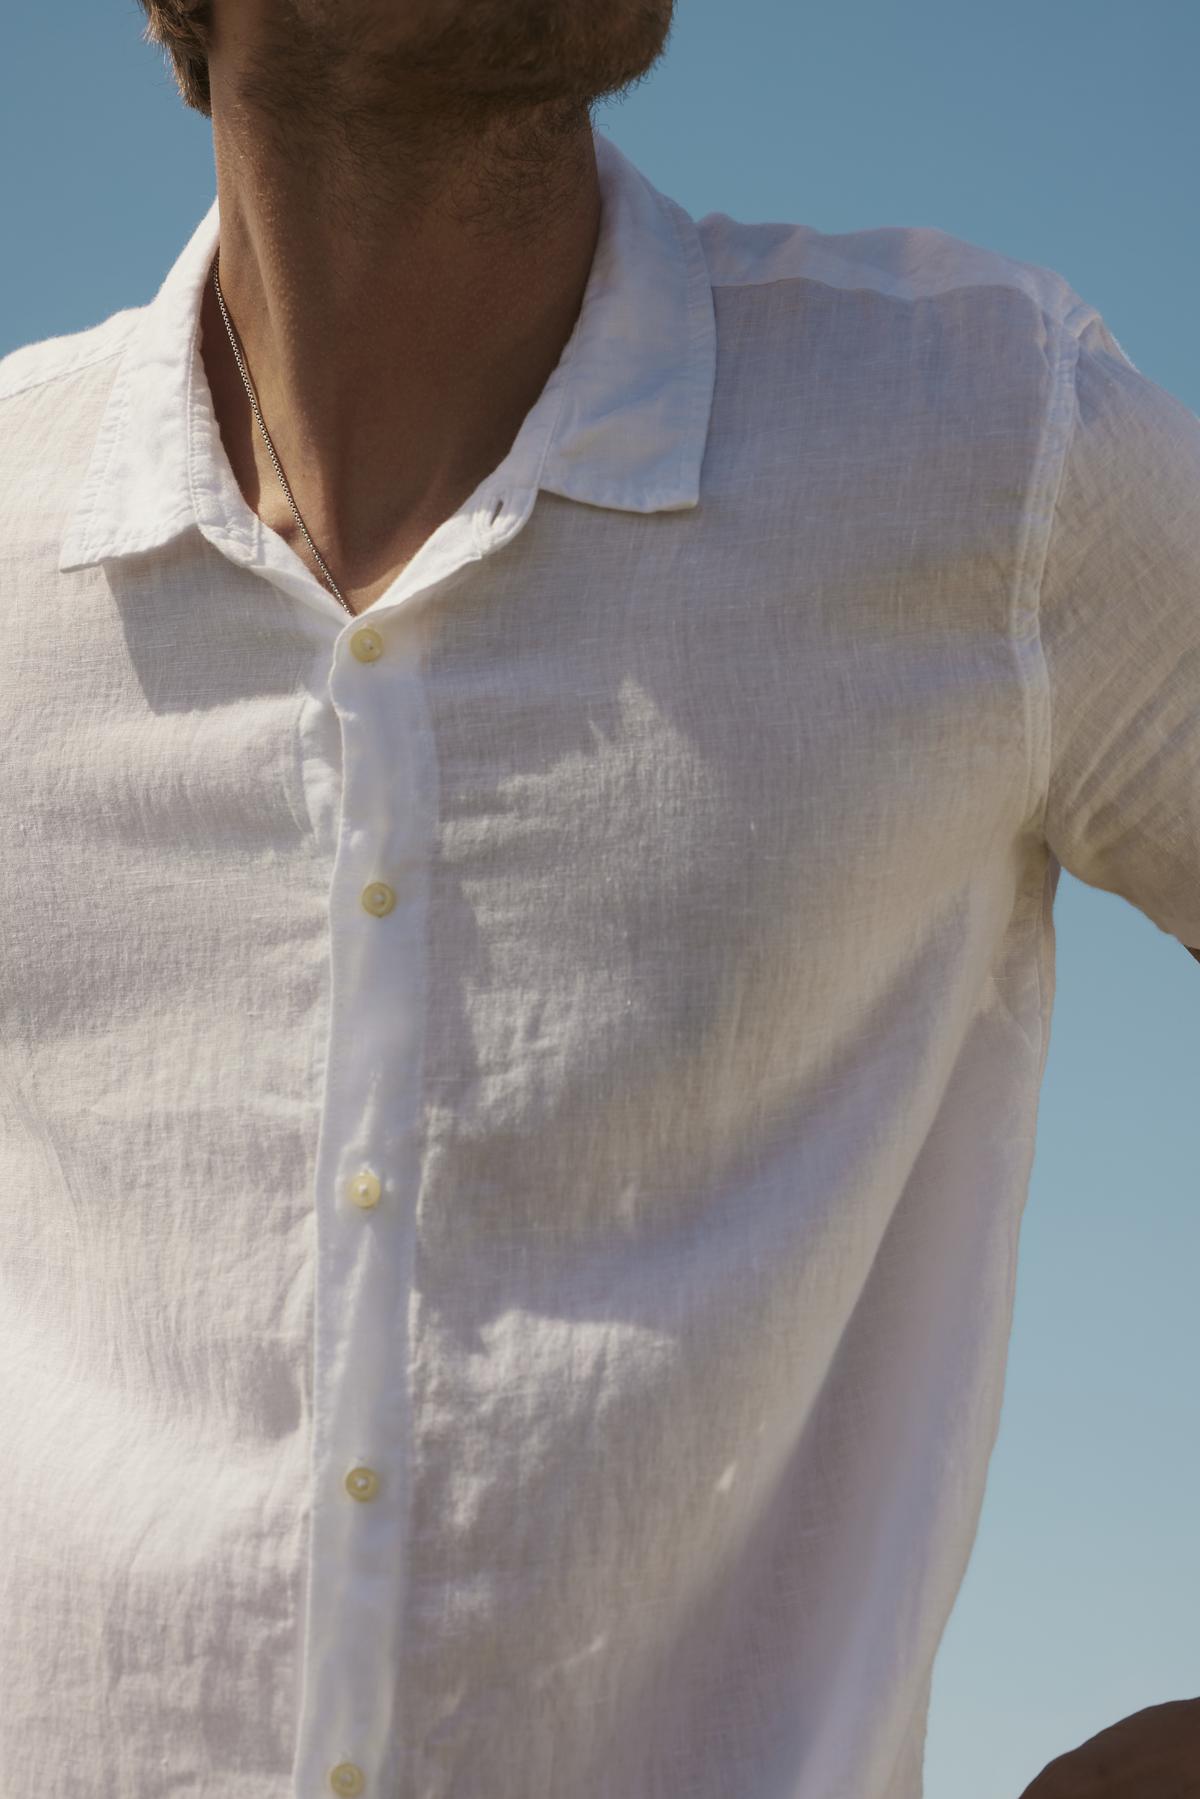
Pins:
x,y
182,28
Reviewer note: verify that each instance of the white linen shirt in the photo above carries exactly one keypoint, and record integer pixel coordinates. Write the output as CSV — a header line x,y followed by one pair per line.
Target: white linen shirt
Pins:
x,y
516,1108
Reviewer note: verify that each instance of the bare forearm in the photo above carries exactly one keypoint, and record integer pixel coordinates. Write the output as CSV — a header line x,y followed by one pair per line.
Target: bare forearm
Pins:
x,y
1155,1754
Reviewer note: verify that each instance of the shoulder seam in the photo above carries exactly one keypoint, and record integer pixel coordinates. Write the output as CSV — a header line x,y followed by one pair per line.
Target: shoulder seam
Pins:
x,y
1080,316
1067,373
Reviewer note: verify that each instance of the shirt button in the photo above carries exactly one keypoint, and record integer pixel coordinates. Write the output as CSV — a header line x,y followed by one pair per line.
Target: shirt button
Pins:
x,y
346,1778
362,1483
378,898
367,644
365,1189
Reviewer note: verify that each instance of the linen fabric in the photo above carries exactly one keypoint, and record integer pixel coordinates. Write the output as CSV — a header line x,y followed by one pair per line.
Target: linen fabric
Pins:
x,y
657,919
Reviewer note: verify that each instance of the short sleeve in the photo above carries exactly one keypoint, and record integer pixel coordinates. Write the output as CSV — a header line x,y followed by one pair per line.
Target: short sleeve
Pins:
x,y
1119,615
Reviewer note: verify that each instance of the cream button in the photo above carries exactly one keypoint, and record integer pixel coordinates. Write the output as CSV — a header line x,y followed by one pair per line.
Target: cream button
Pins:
x,y
378,898
346,1778
367,644
362,1483
365,1189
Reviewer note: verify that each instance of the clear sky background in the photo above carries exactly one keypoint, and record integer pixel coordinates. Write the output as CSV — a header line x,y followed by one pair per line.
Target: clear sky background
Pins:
x,y
1066,134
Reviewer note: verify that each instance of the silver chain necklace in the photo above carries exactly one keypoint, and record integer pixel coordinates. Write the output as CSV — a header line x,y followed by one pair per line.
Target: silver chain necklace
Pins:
x,y
267,436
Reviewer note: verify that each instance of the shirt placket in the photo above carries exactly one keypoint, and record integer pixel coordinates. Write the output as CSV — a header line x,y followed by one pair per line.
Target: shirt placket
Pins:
x,y
366,1182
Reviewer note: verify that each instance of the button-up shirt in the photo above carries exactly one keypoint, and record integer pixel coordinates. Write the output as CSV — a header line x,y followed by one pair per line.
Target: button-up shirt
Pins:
x,y
516,1107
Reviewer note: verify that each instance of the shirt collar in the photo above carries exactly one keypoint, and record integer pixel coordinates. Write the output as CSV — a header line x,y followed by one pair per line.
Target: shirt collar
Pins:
x,y
629,430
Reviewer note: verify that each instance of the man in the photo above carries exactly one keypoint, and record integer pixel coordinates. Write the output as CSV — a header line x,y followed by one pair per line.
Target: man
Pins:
x,y
542,736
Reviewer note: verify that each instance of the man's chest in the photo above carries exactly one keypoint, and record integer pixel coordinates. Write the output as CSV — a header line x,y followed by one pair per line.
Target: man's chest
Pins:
x,y
622,799
680,837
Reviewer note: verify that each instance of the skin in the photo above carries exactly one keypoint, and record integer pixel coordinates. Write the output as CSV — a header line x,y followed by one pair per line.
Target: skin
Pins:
x,y
409,210
1153,1754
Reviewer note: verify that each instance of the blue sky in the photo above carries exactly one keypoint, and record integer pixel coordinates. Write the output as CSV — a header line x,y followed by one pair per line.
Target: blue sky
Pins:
x,y
1067,135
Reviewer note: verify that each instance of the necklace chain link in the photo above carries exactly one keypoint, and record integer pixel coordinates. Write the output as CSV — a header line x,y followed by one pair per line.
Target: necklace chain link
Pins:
x,y
267,437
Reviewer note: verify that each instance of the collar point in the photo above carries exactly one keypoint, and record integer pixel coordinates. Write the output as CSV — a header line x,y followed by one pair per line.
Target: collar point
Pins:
x,y
76,554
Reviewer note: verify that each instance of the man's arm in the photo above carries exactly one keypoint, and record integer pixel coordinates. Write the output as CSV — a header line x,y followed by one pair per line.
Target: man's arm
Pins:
x,y
1192,952
1151,1755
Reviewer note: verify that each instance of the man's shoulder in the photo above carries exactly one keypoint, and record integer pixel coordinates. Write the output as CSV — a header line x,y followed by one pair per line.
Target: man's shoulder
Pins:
x,y
53,394
51,360
907,263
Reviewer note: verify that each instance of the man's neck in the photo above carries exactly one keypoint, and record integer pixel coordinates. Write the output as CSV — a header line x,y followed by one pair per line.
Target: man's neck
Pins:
x,y
398,324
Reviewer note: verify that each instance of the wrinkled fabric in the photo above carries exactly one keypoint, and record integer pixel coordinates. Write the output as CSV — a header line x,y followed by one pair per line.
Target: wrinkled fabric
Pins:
x,y
721,755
